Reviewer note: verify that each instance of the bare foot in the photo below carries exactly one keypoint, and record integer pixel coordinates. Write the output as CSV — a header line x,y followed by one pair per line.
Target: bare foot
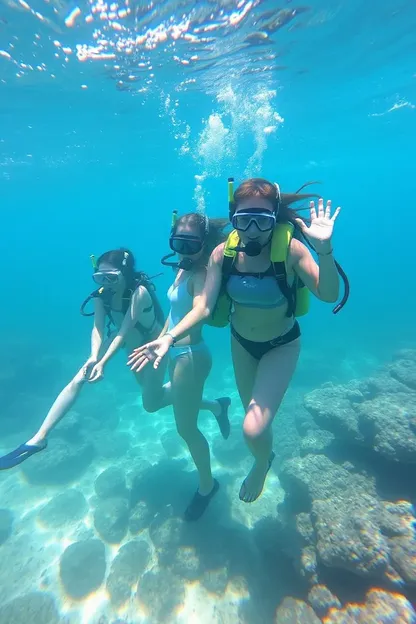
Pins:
x,y
253,484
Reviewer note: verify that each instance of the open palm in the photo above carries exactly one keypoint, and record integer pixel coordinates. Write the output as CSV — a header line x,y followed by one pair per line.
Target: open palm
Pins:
x,y
321,226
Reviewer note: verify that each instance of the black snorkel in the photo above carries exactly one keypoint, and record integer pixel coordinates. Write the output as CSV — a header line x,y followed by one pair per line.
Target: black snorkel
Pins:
x,y
252,249
185,264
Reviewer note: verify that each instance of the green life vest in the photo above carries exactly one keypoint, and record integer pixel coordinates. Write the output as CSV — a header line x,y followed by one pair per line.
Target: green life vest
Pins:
x,y
297,295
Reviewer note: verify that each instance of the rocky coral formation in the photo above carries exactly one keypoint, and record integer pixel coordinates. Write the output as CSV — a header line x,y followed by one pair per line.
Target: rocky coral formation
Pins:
x,y
82,567
161,592
111,482
293,611
349,492
381,607
126,569
111,519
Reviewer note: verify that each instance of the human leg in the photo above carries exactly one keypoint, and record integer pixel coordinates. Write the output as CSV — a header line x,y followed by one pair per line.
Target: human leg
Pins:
x,y
188,373
261,384
60,407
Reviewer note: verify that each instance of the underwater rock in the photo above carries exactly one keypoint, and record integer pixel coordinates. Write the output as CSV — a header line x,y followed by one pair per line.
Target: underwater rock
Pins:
x,y
127,567
405,372
322,599
333,516
6,524
381,607
215,581
111,519
161,592
183,561
380,384
386,422
59,463
82,567
405,354
140,518
333,411
35,607
378,413
165,533
316,477
403,557
66,508
293,611
296,537
316,442
347,534
111,483
398,524
339,526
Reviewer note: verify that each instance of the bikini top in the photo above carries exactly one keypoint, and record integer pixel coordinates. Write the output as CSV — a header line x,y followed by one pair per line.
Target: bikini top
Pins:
x,y
255,290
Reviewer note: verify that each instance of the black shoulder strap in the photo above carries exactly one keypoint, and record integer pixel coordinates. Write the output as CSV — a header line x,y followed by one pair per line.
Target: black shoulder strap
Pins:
x,y
289,292
227,265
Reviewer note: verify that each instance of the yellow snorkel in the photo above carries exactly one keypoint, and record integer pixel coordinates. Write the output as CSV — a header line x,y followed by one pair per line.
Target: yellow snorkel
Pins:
x,y
230,197
93,262
174,219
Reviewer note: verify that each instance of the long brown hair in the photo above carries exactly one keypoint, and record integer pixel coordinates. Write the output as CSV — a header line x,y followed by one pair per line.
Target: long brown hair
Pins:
x,y
211,231
259,187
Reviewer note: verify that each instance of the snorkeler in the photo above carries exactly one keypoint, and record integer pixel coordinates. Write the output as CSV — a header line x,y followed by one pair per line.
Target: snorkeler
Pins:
x,y
259,280
126,298
193,237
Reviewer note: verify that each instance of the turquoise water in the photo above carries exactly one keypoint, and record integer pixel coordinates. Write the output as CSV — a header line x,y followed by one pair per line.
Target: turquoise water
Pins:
x,y
104,130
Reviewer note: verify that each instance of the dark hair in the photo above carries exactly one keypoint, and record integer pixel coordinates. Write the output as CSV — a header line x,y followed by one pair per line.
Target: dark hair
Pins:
x,y
123,260
259,187
212,235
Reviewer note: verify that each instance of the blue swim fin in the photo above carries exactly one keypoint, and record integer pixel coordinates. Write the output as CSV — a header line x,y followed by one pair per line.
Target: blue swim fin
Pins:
x,y
16,457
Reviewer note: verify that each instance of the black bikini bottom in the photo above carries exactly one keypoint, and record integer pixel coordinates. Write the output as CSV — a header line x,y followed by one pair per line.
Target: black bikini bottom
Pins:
x,y
258,349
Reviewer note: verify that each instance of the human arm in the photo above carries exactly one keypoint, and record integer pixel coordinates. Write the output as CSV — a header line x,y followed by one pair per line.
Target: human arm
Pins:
x,y
138,302
323,279
205,295
97,333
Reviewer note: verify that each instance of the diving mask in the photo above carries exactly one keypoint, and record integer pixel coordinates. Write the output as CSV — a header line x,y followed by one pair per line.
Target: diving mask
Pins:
x,y
185,245
264,220
107,278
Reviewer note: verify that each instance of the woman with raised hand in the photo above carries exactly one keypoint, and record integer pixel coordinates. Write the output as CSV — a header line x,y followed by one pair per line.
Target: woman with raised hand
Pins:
x,y
263,273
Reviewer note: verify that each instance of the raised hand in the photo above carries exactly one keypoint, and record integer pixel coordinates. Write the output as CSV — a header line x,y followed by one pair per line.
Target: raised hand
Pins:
x,y
320,230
